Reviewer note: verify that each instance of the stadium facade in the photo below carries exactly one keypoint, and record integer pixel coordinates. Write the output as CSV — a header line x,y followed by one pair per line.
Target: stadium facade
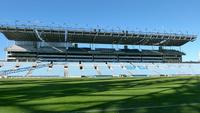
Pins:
x,y
43,49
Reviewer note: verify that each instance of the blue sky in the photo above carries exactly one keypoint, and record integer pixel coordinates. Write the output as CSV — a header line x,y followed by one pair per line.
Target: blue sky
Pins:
x,y
145,15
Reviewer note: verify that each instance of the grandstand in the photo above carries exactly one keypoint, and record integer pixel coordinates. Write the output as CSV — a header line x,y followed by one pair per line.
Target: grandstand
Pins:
x,y
56,52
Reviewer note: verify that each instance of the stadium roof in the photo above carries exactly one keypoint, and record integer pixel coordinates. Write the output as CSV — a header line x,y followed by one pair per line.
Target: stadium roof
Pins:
x,y
96,36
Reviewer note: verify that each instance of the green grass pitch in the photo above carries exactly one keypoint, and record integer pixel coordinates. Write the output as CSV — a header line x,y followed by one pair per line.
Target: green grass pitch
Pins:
x,y
116,95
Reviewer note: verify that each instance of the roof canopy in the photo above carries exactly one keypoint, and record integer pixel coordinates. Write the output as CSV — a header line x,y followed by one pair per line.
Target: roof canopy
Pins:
x,y
94,36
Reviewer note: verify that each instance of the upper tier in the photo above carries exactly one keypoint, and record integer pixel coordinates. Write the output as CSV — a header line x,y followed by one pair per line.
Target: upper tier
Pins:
x,y
27,33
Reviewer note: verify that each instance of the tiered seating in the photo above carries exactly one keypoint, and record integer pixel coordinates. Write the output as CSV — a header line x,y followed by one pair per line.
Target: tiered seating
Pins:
x,y
103,68
163,69
22,65
106,50
151,52
139,69
88,69
74,69
55,71
7,65
118,69
98,69
130,50
14,69
79,49
194,69
172,69
172,52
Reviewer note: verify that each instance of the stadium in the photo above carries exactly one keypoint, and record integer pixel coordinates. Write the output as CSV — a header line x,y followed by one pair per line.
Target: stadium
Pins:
x,y
55,52
50,69
99,56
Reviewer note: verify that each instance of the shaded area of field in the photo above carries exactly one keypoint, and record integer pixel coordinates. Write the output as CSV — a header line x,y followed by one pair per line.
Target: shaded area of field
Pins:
x,y
123,95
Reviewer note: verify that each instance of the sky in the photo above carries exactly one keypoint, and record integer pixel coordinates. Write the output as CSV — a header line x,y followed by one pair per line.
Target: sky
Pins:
x,y
177,16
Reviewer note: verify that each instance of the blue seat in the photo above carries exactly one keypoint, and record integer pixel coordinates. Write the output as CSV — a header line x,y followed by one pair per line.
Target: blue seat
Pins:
x,y
88,69
117,69
56,70
103,68
7,65
74,69
140,69
22,66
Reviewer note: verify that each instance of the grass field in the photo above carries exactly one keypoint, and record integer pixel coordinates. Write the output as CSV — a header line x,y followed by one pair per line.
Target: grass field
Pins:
x,y
122,95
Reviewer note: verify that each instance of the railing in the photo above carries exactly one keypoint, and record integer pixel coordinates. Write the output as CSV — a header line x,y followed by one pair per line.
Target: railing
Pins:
x,y
18,70
66,28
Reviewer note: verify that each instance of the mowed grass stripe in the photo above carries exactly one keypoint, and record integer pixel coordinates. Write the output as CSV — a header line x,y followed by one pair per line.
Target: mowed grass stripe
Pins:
x,y
33,95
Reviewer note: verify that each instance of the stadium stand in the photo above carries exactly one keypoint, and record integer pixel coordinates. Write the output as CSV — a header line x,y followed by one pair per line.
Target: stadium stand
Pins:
x,y
93,69
56,52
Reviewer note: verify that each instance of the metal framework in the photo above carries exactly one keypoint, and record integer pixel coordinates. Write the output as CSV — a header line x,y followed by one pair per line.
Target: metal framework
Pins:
x,y
28,33
41,39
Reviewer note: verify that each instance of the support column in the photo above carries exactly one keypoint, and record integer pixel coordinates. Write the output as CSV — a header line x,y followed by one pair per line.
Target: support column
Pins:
x,y
66,45
66,74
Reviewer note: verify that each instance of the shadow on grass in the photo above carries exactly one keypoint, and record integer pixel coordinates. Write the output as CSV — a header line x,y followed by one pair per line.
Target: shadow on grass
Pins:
x,y
102,95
